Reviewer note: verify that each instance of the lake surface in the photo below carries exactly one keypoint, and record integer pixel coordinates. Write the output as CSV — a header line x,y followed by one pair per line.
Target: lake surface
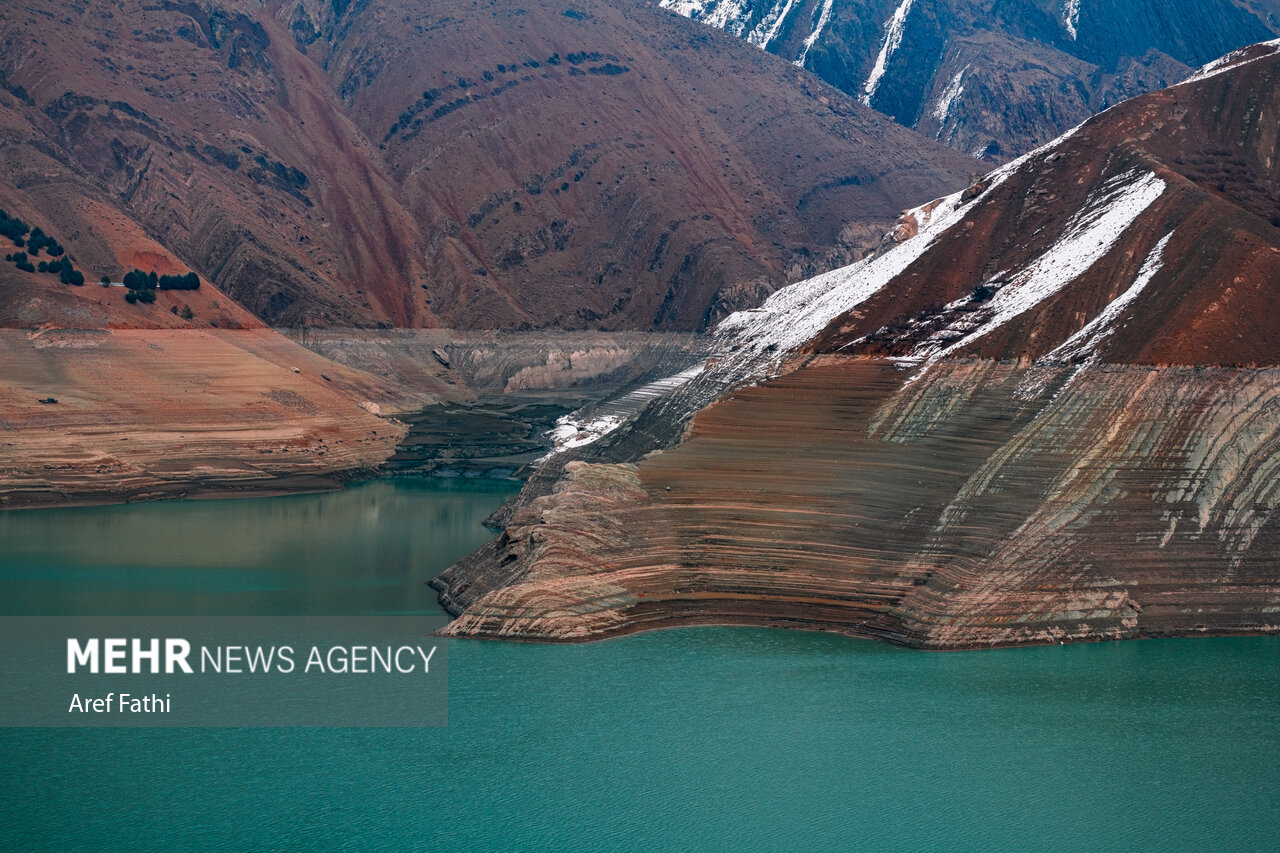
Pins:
x,y
732,739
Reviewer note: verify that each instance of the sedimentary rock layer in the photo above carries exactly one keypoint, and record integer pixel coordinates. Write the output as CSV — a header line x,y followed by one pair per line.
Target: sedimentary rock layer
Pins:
x,y
982,504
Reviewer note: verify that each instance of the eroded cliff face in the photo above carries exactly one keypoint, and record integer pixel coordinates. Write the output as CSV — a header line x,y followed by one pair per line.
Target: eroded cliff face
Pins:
x,y
977,504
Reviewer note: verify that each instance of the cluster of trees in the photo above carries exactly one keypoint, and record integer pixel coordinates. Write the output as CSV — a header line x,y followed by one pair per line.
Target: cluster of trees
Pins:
x,y
39,240
139,280
142,286
21,260
33,240
61,267
13,228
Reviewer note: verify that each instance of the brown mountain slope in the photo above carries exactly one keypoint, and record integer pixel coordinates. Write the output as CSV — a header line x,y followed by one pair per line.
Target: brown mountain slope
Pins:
x,y
1210,236
1077,439
417,164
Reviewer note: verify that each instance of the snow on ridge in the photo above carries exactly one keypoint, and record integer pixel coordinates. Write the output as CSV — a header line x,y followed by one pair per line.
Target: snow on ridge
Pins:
x,y
689,8
1234,59
892,40
569,432
794,315
728,15
1071,17
1085,342
1088,237
824,17
949,96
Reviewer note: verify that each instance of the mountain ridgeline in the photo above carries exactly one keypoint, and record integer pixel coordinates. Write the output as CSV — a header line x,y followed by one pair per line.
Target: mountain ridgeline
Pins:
x,y
993,77
501,165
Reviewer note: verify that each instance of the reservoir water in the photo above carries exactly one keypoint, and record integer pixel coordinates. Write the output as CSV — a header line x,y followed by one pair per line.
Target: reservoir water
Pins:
x,y
729,739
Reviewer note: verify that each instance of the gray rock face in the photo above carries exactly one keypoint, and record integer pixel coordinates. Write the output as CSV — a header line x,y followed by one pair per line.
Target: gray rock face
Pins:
x,y
994,78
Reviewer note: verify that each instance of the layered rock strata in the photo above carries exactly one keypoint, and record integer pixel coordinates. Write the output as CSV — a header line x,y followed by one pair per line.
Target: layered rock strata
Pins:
x,y
983,504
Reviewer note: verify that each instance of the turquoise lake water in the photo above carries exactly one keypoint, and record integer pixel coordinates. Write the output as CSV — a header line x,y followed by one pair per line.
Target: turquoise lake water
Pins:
x,y
724,739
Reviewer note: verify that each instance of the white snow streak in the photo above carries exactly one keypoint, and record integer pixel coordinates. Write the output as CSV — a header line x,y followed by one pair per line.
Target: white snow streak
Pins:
x,y
569,433
1087,238
795,314
1071,17
949,96
769,25
892,39
727,15
823,19
1085,342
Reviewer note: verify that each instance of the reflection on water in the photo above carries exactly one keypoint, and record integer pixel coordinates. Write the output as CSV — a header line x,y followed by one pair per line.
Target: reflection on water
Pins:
x,y
367,549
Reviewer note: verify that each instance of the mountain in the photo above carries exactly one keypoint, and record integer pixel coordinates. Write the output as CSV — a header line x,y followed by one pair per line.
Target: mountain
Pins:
x,y
502,165
993,77
1047,410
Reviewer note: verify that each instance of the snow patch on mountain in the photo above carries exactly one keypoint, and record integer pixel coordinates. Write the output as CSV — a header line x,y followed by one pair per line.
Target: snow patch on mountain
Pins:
x,y
1087,238
1084,343
1235,58
579,428
732,16
767,30
1071,17
892,40
942,110
824,17
795,314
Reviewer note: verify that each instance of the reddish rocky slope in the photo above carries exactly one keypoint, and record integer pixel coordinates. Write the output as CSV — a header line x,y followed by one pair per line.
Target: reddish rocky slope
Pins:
x,y
498,165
